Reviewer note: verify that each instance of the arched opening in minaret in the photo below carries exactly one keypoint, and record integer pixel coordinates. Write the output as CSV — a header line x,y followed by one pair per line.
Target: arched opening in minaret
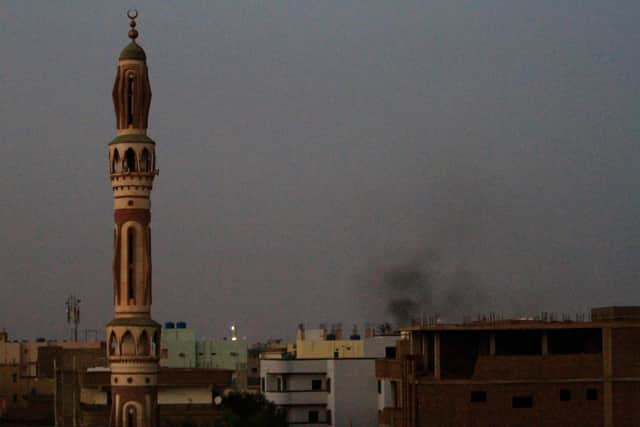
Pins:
x,y
154,345
127,345
144,161
131,417
131,271
113,344
130,160
130,99
143,344
115,162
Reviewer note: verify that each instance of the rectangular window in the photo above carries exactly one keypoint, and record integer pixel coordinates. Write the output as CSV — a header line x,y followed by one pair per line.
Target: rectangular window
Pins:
x,y
592,394
329,420
389,352
14,377
478,396
313,416
565,395
262,384
379,387
522,402
316,384
329,385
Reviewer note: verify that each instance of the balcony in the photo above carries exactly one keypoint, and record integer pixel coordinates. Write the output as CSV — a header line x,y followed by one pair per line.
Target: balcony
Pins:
x,y
311,397
387,368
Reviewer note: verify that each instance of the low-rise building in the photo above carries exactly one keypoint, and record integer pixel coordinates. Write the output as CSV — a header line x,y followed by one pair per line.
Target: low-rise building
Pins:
x,y
338,389
516,372
27,379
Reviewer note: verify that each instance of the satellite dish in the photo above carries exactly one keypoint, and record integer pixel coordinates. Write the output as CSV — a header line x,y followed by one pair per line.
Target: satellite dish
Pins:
x,y
217,400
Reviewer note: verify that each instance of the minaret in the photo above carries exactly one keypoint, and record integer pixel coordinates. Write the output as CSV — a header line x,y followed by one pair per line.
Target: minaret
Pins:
x,y
133,338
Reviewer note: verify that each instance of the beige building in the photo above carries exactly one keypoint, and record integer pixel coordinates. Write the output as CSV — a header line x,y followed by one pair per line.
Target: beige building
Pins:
x,y
27,380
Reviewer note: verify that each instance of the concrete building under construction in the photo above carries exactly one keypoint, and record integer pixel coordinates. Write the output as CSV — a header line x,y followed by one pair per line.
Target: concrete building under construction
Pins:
x,y
516,373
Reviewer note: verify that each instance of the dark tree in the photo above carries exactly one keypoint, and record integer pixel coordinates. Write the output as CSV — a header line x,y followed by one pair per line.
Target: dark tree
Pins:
x,y
249,410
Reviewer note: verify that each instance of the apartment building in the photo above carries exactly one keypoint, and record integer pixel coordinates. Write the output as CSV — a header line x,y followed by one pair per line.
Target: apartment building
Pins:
x,y
516,373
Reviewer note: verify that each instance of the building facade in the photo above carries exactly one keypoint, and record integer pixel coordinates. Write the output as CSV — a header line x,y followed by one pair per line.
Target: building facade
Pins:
x,y
133,338
338,388
27,375
516,372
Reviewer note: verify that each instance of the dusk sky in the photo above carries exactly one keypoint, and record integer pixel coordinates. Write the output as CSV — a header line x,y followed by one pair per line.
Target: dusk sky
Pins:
x,y
306,147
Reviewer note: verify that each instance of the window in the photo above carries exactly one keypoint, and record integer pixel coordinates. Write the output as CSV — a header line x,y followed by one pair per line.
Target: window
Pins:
x,y
329,421
254,370
592,394
279,386
112,344
522,402
336,355
565,395
15,398
389,352
115,164
313,416
379,387
131,247
130,99
145,164
329,385
316,384
262,384
478,396
14,377
130,161
144,347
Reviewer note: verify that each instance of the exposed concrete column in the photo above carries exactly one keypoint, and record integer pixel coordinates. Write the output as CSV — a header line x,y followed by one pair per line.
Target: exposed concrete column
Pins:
x,y
425,352
607,373
492,343
436,355
545,343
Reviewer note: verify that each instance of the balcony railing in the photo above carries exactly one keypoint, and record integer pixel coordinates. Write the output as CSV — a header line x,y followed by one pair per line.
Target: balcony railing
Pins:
x,y
311,397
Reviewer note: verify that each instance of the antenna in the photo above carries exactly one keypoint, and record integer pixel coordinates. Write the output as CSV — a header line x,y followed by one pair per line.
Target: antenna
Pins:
x,y
73,314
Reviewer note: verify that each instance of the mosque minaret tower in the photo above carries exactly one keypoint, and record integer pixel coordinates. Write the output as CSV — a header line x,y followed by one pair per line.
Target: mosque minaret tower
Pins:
x,y
133,337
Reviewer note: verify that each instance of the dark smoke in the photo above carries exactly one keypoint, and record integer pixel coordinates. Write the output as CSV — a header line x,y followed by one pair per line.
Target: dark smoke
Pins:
x,y
425,289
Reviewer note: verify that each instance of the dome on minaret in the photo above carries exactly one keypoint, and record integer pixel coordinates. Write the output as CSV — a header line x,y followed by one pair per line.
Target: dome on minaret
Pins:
x,y
133,51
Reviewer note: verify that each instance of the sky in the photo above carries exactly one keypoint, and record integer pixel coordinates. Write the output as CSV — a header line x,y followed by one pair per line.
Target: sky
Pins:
x,y
307,147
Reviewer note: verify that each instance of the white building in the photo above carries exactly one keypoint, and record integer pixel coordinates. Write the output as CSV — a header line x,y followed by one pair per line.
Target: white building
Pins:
x,y
341,392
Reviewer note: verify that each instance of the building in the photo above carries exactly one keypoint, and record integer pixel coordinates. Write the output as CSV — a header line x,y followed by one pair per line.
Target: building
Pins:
x,y
516,372
27,380
338,388
318,344
133,337
183,394
178,346
272,349
181,349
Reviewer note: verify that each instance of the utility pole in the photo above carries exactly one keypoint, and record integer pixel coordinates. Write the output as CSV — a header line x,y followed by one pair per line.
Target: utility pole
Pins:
x,y
73,314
